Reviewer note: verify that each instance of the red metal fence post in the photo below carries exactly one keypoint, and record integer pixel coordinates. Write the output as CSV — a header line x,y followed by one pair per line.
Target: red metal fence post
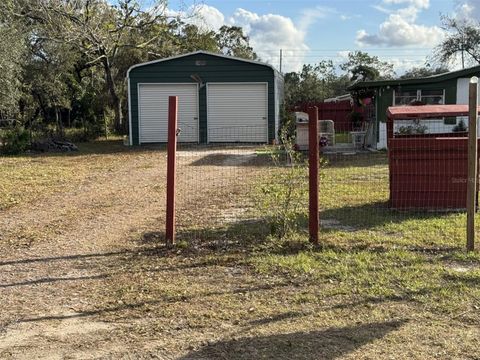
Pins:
x,y
313,149
171,158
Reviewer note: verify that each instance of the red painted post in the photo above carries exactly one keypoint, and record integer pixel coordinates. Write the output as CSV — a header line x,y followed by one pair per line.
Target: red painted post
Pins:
x,y
171,158
313,149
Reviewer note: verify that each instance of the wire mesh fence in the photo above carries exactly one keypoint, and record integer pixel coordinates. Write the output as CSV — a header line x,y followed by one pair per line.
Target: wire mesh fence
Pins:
x,y
412,195
218,183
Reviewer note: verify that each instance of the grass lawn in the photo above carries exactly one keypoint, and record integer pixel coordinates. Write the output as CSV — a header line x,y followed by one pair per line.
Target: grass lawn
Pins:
x,y
383,284
25,178
342,137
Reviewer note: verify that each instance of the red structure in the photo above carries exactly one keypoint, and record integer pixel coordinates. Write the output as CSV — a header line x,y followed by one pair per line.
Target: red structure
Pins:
x,y
427,172
313,158
339,112
171,170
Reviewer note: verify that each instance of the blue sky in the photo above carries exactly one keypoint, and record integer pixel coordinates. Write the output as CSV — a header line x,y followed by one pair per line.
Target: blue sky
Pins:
x,y
400,31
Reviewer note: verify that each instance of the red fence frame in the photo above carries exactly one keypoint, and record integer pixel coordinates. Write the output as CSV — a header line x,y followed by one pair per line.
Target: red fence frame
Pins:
x,y
171,169
313,159
443,158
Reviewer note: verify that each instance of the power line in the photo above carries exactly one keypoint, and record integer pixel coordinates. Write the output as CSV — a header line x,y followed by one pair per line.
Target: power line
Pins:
x,y
351,50
340,56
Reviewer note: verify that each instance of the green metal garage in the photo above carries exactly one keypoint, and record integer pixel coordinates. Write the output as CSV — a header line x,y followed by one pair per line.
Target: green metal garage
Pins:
x,y
222,99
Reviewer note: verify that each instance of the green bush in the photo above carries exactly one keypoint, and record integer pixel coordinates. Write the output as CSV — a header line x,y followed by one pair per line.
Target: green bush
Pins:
x,y
416,129
460,127
281,200
14,141
76,135
356,118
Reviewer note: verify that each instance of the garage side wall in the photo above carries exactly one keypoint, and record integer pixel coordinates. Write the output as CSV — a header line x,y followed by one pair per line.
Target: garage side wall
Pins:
x,y
209,69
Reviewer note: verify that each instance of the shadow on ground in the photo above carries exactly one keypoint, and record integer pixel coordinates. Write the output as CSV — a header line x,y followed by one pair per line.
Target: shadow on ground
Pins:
x,y
372,215
328,344
234,159
103,147
358,160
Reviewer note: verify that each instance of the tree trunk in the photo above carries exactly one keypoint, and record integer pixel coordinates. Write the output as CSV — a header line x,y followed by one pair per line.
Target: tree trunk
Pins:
x,y
57,122
116,103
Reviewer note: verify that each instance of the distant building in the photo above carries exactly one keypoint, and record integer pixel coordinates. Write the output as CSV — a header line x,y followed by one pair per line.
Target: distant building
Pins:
x,y
377,96
220,99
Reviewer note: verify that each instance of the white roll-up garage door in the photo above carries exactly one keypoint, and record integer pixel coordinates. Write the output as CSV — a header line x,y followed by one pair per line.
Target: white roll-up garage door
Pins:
x,y
153,111
237,112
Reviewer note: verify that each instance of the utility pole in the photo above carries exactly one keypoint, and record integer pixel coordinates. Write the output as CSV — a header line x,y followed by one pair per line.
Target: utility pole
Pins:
x,y
281,59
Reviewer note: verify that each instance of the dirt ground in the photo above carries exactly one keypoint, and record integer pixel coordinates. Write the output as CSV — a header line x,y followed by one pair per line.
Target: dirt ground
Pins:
x,y
64,256
84,275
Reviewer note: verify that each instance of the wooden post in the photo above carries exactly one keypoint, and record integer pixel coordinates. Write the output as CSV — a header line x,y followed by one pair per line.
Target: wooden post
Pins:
x,y
472,163
171,158
313,150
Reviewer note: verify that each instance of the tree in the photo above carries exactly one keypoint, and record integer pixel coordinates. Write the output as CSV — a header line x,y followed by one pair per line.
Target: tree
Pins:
x,y
191,38
13,51
100,32
361,66
233,42
419,72
48,74
67,59
463,39
314,83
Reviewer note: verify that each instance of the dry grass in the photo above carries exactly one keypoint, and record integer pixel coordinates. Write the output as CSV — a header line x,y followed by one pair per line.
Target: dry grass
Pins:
x,y
102,285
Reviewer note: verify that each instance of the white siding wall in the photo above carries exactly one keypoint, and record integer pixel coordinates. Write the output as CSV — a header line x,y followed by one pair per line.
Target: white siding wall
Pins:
x,y
382,140
433,126
462,98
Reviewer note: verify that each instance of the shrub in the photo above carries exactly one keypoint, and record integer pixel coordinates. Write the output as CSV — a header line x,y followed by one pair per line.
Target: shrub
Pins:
x,y
356,118
14,141
76,135
460,127
282,198
416,129
287,124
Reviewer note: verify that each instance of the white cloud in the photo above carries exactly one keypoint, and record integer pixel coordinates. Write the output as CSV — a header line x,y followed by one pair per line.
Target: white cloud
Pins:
x,y
211,17
400,27
382,9
269,33
310,16
400,65
403,65
204,16
419,4
468,9
345,17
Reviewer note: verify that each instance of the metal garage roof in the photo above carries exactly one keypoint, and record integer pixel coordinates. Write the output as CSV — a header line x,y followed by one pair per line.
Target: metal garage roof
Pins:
x,y
201,52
